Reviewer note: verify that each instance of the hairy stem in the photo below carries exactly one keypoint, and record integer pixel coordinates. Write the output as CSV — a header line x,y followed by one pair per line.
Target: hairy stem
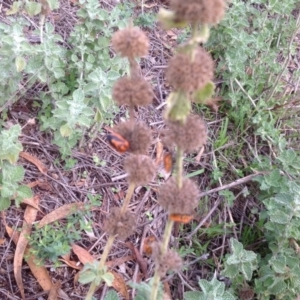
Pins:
x,y
128,197
179,167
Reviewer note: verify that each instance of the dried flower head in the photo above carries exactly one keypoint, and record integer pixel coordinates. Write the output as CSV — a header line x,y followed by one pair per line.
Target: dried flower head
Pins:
x,y
119,224
176,200
140,169
137,134
133,92
189,136
165,262
130,42
187,75
198,11
246,293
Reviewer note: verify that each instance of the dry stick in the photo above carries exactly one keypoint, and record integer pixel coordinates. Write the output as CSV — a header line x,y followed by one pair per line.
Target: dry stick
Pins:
x,y
221,188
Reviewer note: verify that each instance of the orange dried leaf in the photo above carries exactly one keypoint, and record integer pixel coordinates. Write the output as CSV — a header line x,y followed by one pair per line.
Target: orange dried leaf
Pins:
x,y
181,218
29,218
119,285
31,202
2,241
83,255
54,292
42,168
168,162
60,213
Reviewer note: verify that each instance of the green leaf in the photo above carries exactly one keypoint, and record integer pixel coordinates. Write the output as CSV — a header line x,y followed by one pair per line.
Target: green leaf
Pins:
x,y
111,295
278,264
33,8
108,278
246,269
16,7
86,277
78,95
206,93
65,130
20,63
4,203
10,146
23,192
193,295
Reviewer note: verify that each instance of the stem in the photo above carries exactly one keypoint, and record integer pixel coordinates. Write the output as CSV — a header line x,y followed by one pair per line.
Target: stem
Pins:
x,y
104,256
179,167
107,248
128,197
167,236
163,249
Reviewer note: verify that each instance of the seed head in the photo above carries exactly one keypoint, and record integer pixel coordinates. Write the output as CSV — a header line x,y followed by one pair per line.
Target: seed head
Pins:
x,y
137,134
179,201
140,169
119,224
246,293
189,136
133,92
198,11
187,75
130,42
164,263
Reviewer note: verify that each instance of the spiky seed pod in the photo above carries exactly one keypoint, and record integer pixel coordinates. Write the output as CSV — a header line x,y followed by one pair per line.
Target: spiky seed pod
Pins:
x,y
164,263
179,201
189,136
198,11
122,225
140,169
133,92
246,293
137,134
187,75
130,42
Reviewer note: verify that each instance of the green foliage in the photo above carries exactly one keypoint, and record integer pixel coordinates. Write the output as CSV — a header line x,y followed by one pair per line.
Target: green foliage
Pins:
x,y
111,295
240,261
92,272
144,290
10,174
53,240
213,290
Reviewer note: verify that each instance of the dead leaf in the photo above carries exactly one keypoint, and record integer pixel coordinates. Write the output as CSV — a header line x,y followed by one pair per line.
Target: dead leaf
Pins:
x,y
199,155
43,185
73,264
29,218
138,257
213,103
83,255
147,244
167,290
42,168
2,241
119,285
31,202
118,261
60,213
53,295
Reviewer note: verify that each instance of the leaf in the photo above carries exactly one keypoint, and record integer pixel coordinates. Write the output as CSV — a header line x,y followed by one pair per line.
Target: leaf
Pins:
x,y
60,213
111,295
20,63
203,95
33,8
78,95
29,218
41,167
4,203
22,192
65,130
83,255
120,285
108,277
10,145
193,295
54,292
15,8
